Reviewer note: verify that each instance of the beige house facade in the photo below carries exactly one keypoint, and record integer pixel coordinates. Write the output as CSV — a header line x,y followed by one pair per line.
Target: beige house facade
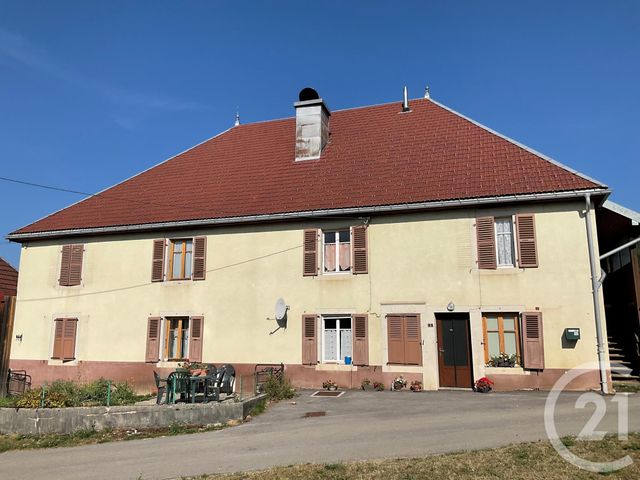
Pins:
x,y
442,291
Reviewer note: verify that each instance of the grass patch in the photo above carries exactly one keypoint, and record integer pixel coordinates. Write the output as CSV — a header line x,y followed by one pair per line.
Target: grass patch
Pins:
x,y
626,387
530,461
89,436
259,408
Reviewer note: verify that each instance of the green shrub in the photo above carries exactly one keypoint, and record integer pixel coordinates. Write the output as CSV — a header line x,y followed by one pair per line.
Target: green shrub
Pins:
x,y
64,393
278,387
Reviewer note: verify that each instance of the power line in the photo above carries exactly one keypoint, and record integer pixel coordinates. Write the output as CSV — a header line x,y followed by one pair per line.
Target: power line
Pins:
x,y
127,199
101,194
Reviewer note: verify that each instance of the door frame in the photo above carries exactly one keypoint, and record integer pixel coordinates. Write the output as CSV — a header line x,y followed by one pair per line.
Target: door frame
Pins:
x,y
467,316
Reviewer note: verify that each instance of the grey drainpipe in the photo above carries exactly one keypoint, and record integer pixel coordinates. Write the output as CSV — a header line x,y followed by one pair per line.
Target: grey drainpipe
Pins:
x,y
595,288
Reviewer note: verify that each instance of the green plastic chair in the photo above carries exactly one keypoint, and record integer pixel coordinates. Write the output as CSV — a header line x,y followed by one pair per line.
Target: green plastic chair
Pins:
x,y
177,384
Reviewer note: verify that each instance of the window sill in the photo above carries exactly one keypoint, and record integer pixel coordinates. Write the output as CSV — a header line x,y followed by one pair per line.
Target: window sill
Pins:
x,y
335,367
169,363
505,370
336,276
63,363
501,271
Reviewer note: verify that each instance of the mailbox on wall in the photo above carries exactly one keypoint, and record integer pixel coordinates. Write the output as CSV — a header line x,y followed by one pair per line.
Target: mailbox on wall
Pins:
x,y
572,334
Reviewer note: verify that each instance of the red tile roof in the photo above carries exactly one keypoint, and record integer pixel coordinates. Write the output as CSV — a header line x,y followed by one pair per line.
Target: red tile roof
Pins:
x,y
376,156
8,279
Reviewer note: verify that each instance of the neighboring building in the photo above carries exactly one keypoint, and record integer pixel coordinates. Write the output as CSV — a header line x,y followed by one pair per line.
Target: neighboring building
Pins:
x,y
413,240
618,226
8,279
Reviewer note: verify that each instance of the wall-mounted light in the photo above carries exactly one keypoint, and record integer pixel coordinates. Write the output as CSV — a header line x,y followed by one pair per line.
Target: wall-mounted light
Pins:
x,y
451,307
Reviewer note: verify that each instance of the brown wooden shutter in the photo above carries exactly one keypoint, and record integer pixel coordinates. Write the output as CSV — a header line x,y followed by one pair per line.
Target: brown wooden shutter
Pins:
x,y
153,339
69,339
413,340
395,339
310,253
65,263
199,258
157,269
532,341
485,232
75,265
309,340
361,339
526,235
359,238
57,338
195,339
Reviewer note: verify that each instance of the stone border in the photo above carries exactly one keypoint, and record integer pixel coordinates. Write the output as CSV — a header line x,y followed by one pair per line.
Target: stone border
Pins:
x,y
28,421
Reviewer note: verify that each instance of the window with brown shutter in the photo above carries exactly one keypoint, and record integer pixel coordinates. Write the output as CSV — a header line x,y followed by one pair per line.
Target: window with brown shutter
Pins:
x,y
195,342
532,341
153,339
359,239
404,340
486,240
501,335
199,258
157,265
526,236
176,338
64,341
71,265
360,339
309,340
310,253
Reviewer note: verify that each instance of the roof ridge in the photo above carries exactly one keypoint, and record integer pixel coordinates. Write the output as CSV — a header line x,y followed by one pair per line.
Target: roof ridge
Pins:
x,y
521,145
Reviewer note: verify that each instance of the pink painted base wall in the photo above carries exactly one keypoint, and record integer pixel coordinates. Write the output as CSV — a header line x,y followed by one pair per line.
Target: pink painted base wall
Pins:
x,y
141,375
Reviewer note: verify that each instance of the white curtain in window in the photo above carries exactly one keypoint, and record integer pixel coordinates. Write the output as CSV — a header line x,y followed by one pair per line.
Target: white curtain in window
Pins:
x,y
504,241
329,257
345,344
330,344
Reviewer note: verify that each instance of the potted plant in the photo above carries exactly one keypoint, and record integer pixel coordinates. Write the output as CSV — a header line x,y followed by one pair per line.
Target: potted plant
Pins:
x,y
330,385
378,386
503,360
416,386
366,385
483,385
195,369
399,383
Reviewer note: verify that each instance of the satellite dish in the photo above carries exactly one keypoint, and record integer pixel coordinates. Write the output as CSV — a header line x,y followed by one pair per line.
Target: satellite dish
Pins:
x,y
281,309
281,314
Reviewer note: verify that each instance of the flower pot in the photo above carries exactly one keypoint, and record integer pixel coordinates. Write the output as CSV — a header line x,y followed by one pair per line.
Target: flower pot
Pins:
x,y
332,388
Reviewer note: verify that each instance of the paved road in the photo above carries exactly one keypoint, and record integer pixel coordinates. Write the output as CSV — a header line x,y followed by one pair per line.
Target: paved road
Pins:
x,y
358,425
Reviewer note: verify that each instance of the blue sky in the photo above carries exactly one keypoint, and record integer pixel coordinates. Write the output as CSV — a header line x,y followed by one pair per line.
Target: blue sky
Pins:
x,y
92,92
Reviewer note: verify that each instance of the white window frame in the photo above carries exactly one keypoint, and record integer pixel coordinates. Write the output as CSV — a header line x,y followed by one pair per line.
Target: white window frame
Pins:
x,y
337,318
337,232
513,246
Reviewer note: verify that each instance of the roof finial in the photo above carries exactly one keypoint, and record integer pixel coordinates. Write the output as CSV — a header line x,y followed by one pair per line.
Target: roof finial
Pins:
x,y
426,92
237,122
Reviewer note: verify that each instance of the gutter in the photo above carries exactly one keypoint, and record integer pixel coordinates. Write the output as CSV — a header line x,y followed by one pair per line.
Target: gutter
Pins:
x,y
354,211
596,283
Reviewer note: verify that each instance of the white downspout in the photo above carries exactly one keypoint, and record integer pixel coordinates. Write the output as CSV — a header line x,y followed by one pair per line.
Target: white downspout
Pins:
x,y
595,288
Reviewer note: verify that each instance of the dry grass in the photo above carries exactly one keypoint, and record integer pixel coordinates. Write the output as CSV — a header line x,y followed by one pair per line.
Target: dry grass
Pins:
x,y
88,437
527,462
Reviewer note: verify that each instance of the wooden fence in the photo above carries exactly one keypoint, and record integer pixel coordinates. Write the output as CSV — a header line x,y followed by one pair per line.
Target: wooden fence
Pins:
x,y
7,311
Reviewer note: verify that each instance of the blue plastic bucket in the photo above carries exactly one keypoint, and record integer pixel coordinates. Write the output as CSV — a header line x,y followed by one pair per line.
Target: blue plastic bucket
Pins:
x,y
347,360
